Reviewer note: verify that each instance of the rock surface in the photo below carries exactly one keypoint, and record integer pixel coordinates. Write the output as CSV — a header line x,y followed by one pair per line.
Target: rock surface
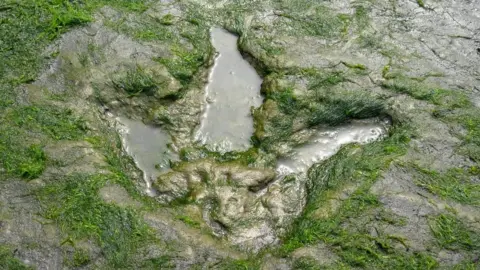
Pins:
x,y
240,203
70,198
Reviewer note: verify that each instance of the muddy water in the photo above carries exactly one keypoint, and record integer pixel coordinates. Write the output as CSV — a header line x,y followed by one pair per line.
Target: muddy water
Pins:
x,y
327,142
234,87
148,146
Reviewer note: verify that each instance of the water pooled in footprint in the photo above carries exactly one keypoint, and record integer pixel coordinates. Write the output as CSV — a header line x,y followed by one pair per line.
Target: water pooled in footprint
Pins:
x,y
327,142
234,87
148,146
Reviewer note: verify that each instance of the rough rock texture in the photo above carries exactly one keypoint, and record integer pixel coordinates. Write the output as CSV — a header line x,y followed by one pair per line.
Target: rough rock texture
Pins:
x,y
319,253
189,246
116,194
411,201
398,193
74,157
239,202
20,226
427,41
125,76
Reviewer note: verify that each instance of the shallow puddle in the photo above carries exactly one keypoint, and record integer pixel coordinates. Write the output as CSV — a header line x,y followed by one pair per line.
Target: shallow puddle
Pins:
x,y
148,146
234,87
327,142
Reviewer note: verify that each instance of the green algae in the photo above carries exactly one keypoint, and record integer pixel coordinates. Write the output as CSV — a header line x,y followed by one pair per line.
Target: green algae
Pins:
x,y
187,63
455,109
8,261
189,221
24,131
137,81
468,118
187,38
421,3
444,98
74,205
250,264
161,262
455,184
452,234
309,18
362,165
80,258
321,105
357,248
71,202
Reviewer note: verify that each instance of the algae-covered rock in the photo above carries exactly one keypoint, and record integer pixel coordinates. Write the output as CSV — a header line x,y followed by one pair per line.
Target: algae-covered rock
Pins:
x,y
408,201
115,62
244,204
120,70
193,179
116,194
